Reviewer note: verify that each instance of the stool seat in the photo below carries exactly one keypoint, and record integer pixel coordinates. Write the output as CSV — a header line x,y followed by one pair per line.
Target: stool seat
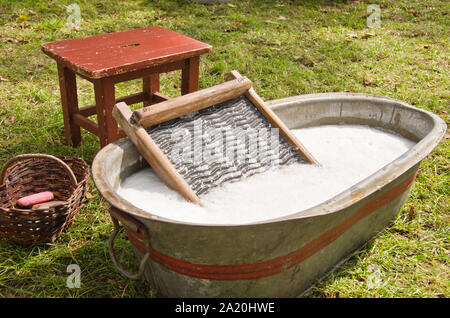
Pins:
x,y
107,59
119,52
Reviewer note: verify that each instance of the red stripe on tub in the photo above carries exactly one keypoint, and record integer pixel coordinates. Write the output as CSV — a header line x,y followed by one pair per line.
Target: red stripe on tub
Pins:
x,y
278,264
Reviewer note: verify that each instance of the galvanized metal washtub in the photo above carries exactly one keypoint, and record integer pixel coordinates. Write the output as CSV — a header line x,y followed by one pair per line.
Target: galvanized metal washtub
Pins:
x,y
281,257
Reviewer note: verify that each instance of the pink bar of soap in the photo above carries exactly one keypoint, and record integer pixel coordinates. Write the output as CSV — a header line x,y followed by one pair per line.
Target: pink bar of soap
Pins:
x,y
36,198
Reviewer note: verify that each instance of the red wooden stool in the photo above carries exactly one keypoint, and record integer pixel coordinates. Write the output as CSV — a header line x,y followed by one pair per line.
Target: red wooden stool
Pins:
x,y
112,58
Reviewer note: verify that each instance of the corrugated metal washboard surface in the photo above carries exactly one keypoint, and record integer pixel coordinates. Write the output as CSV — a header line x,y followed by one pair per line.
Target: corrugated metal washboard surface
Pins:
x,y
222,143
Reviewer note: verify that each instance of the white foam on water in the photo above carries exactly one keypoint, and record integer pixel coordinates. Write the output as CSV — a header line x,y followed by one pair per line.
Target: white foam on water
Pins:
x,y
348,154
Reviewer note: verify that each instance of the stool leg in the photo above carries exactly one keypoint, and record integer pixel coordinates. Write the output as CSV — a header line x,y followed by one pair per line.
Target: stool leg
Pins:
x,y
189,75
69,101
105,100
150,85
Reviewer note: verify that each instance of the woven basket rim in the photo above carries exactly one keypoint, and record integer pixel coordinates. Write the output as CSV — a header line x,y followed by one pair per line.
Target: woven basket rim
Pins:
x,y
24,225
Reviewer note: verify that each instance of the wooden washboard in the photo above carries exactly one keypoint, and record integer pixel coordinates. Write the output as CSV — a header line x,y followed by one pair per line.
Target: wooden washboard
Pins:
x,y
149,128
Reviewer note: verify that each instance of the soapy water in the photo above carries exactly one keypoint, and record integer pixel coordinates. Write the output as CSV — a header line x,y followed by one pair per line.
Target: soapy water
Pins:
x,y
348,154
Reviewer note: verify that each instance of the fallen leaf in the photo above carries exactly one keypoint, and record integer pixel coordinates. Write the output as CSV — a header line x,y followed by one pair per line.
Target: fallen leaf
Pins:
x,y
231,5
382,56
411,213
13,119
88,195
426,46
324,10
277,42
362,36
233,28
367,81
9,40
414,13
281,18
2,79
22,18
367,35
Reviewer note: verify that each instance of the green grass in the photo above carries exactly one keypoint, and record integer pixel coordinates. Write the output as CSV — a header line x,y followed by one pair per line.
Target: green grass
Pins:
x,y
286,48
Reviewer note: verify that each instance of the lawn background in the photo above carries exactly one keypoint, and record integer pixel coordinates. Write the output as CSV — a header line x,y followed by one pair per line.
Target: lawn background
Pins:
x,y
286,48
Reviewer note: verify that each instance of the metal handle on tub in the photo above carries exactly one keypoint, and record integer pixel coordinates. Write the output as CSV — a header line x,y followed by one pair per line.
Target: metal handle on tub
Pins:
x,y
136,227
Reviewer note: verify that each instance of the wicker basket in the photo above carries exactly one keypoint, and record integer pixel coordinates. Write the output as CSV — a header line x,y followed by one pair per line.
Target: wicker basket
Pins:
x,y
27,174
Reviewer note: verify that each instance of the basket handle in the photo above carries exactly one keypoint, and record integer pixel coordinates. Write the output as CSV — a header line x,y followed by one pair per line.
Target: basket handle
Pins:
x,y
69,171
136,227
